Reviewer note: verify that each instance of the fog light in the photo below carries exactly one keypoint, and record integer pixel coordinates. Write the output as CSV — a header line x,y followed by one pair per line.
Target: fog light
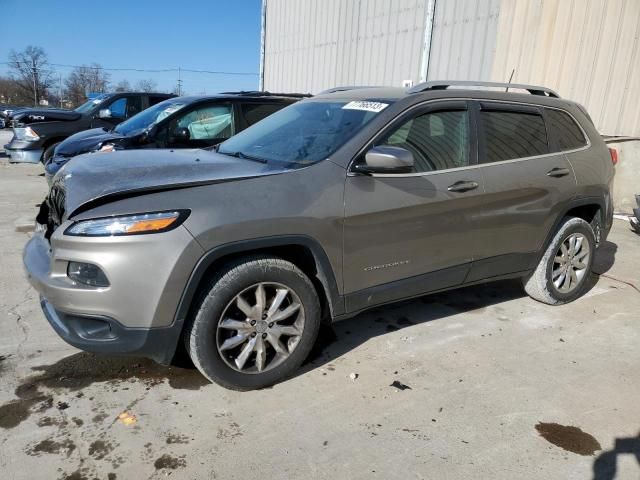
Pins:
x,y
87,273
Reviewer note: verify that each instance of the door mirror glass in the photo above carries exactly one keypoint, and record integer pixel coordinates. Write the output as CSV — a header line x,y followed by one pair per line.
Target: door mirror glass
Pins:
x,y
386,159
104,113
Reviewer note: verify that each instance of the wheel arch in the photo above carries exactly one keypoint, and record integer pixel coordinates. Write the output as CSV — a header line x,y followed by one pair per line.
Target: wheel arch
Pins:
x,y
304,252
586,208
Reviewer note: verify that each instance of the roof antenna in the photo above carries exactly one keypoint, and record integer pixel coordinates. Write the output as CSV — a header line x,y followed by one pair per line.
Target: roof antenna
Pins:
x,y
510,78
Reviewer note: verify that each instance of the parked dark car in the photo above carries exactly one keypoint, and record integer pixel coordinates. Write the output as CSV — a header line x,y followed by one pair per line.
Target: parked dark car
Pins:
x,y
182,122
336,204
37,131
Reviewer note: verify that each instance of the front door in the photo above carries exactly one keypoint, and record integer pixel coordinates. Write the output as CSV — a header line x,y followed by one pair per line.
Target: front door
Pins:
x,y
406,234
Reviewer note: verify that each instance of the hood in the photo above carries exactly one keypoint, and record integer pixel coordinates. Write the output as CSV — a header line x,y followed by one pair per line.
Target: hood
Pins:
x,y
86,141
93,179
39,115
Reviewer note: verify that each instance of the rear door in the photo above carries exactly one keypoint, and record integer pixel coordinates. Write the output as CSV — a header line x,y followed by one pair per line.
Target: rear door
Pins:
x,y
526,187
406,234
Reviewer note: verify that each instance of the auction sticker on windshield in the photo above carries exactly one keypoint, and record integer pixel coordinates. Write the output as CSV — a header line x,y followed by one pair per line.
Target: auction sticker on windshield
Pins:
x,y
366,106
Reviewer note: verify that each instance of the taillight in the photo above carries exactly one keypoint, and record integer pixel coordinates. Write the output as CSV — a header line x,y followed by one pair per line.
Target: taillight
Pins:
x,y
614,155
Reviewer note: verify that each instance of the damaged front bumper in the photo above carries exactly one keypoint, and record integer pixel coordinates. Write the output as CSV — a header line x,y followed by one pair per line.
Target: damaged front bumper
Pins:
x,y
134,315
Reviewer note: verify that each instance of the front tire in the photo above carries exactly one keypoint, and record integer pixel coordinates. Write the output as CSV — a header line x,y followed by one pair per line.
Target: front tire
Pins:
x,y
562,274
255,323
48,153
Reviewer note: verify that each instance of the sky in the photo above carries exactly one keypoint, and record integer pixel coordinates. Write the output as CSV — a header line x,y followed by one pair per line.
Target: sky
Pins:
x,y
143,34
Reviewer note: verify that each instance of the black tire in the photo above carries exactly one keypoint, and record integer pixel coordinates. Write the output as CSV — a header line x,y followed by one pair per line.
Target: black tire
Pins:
x,y
201,332
596,226
48,153
539,284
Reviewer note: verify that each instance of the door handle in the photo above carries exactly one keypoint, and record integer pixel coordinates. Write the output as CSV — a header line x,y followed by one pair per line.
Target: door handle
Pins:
x,y
462,186
558,172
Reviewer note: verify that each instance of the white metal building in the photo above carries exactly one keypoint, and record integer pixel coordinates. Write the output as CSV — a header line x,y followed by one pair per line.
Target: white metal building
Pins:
x,y
587,50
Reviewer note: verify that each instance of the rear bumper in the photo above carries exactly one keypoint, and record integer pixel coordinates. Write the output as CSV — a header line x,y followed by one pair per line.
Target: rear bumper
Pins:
x,y
23,156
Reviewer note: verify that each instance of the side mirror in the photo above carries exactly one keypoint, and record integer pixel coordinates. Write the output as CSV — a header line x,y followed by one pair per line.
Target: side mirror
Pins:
x,y
385,159
180,135
104,113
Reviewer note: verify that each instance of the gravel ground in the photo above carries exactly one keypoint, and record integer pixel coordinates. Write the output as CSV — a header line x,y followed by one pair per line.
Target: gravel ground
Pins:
x,y
477,383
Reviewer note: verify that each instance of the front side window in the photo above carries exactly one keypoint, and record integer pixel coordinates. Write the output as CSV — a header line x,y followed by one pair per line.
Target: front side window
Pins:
x,y
508,135
208,123
568,135
437,140
149,117
305,132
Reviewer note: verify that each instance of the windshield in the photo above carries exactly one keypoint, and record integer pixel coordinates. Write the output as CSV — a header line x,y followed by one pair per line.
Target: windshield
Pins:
x,y
150,116
90,104
302,133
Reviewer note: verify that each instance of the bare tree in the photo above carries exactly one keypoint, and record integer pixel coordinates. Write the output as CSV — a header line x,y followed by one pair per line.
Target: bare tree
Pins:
x,y
123,86
30,69
10,91
84,80
146,85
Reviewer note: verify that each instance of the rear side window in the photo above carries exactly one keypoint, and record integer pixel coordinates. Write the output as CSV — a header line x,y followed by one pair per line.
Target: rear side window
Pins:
x,y
438,140
153,99
567,133
254,112
509,135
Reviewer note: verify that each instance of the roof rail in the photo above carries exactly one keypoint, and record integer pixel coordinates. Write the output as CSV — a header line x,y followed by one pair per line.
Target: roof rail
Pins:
x,y
259,93
444,84
344,89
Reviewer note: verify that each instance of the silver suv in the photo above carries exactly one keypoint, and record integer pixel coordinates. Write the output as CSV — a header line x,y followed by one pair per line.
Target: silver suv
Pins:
x,y
336,204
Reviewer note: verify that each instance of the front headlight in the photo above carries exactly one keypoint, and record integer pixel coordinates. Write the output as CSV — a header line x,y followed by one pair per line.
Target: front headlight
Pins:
x,y
128,224
26,134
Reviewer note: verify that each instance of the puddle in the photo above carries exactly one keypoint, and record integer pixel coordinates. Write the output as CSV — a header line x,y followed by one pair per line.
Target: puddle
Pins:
x,y
83,369
571,439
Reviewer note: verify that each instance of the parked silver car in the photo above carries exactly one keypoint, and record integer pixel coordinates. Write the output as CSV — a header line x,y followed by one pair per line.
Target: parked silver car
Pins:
x,y
336,204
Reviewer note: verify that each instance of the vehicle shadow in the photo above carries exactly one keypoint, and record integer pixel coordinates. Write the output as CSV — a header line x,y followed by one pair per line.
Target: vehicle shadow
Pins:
x,y
605,465
337,339
605,258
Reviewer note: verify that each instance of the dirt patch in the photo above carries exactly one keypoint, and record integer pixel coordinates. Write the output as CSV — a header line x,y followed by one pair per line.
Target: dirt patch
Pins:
x,y
169,462
83,369
52,446
400,385
15,412
177,439
100,449
51,422
571,439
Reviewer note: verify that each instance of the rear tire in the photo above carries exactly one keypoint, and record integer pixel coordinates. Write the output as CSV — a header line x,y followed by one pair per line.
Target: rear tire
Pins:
x,y
563,271
255,323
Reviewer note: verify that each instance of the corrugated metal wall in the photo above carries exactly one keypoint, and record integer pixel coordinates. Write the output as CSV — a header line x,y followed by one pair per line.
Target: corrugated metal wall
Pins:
x,y
312,45
463,41
587,50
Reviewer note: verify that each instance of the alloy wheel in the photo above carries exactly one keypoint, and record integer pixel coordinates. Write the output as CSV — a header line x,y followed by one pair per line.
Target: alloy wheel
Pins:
x,y
570,263
260,327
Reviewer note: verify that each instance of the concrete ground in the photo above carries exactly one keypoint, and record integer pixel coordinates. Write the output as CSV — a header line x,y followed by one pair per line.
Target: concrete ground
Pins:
x,y
488,384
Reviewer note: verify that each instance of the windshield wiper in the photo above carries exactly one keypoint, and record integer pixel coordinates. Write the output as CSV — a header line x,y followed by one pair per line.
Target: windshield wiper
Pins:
x,y
244,156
